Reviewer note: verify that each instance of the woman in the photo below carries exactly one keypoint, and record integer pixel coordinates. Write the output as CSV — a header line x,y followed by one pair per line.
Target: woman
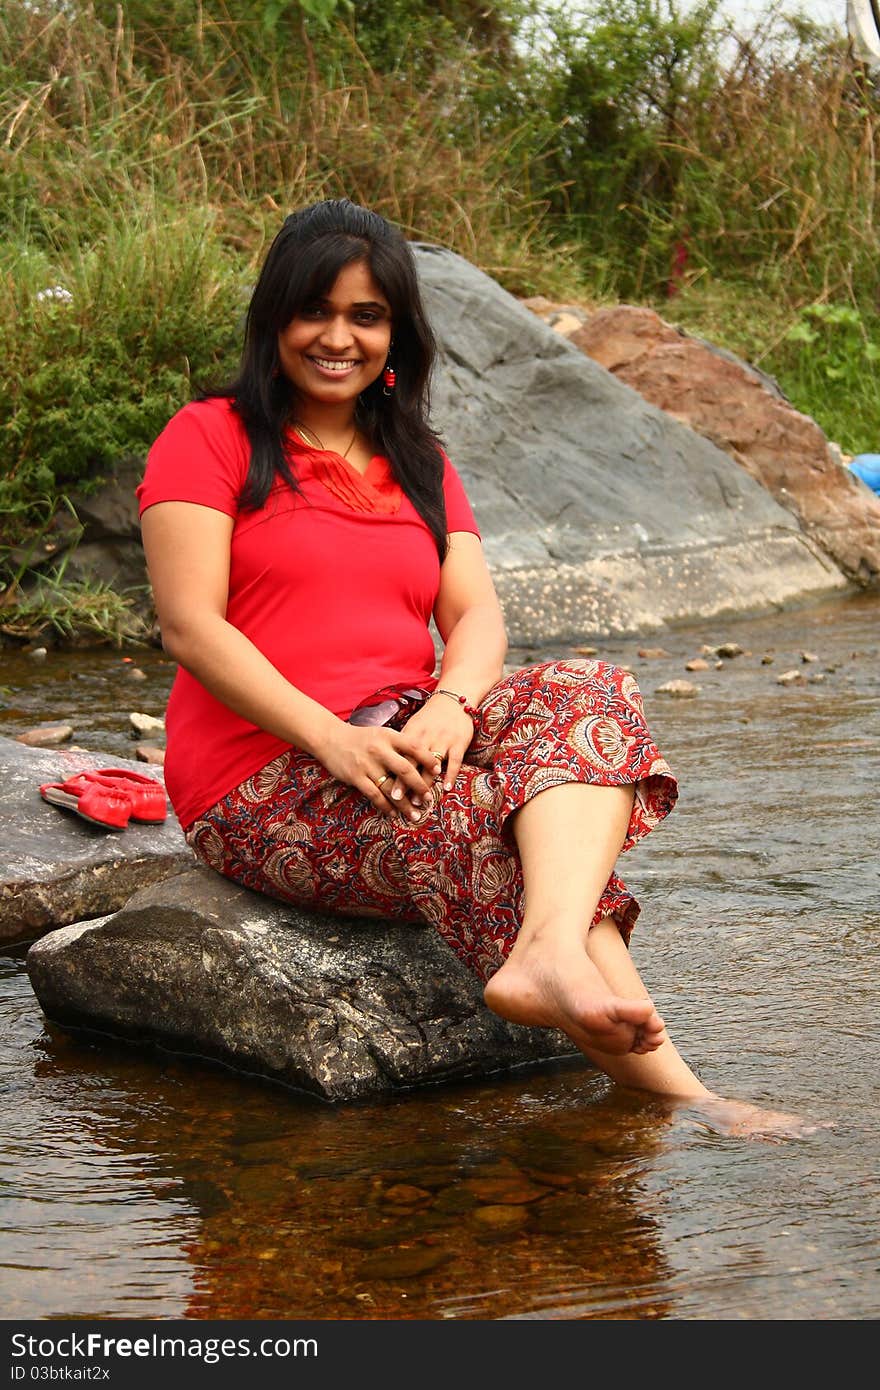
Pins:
x,y
301,529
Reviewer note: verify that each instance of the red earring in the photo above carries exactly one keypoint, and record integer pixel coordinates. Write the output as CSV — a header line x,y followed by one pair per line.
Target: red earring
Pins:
x,y
390,379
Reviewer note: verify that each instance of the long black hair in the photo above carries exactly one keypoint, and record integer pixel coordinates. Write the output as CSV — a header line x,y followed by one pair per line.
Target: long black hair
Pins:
x,y
302,264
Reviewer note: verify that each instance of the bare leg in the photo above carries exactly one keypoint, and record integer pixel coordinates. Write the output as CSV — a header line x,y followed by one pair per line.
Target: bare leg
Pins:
x,y
569,838
664,1071
562,974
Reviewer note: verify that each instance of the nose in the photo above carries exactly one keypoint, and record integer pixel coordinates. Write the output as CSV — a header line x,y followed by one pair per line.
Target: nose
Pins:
x,y
337,333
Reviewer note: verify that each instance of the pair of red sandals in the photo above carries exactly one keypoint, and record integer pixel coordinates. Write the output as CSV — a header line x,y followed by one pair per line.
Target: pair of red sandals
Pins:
x,y
110,797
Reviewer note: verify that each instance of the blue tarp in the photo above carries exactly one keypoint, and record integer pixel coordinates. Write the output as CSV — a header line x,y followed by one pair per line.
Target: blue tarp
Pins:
x,y
867,467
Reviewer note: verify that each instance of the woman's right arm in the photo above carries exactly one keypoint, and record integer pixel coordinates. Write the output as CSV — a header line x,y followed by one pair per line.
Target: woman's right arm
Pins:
x,y
187,548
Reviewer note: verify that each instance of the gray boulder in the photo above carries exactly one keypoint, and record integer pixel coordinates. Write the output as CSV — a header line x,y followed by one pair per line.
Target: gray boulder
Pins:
x,y
601,513
341,1008
56,868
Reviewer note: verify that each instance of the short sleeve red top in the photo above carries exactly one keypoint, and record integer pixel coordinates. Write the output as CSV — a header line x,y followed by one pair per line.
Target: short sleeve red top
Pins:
x,y
335,585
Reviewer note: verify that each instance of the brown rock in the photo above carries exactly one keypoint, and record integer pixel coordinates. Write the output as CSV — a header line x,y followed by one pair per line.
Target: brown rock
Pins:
x,y
146,723
743,412
697,663
679,690
566,323
405,1194
503,1191
653,653
150,753
46,735
540,305
404,1264
501,1218
793,677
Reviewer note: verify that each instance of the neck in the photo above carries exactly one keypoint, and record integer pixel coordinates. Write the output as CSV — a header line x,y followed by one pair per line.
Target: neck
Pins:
x,y
332,437
325,420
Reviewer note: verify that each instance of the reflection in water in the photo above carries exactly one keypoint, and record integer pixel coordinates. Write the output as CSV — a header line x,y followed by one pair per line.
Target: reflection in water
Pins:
x,y
461,1202
142,1185
483,1211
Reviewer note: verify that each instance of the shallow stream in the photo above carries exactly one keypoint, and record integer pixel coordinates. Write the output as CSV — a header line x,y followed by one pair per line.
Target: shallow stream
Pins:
x,y
138,1185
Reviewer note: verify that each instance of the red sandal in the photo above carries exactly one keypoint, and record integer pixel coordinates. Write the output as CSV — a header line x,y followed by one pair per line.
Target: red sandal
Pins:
x,y
147,796
105,806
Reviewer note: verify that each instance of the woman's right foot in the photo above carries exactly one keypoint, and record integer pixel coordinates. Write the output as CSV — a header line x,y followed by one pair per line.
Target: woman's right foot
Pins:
x,y
548,987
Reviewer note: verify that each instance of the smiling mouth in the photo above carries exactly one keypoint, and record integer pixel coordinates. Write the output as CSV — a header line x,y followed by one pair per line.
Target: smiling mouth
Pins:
x,y
334,364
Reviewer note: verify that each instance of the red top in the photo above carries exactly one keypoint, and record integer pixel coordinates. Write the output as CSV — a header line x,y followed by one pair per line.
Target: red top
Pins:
x,y
335,585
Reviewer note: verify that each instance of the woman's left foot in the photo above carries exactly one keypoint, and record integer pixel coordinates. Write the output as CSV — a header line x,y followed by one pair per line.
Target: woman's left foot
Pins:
x,y
737,1118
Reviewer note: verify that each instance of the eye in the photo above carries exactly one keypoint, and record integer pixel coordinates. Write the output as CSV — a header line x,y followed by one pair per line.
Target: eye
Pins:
x,y
311,311
368,317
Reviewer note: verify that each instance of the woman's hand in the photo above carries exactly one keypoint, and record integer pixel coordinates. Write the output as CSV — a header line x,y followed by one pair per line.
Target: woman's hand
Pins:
x,y
395,770
446,730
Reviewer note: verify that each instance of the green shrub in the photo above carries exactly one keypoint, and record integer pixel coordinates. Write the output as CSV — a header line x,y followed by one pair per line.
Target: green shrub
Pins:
x,y
103,345
829,366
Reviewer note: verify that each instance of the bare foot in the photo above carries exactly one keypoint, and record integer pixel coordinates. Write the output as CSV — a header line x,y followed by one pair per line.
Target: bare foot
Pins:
x,y
740,1118
560,987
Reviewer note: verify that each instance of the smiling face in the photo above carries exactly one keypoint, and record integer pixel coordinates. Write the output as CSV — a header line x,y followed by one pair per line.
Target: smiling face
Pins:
x,y
337,346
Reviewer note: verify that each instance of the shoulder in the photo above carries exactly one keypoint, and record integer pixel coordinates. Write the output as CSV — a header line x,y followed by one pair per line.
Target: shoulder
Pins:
x,y
205,434
202,455
459,513
214,419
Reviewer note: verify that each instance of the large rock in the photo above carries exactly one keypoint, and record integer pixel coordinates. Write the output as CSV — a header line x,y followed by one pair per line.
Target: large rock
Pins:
x,y
341,1008
743,412
600,512
56,868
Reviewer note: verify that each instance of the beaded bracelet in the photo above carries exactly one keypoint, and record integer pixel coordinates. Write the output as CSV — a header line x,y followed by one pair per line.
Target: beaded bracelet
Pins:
x,y
462,700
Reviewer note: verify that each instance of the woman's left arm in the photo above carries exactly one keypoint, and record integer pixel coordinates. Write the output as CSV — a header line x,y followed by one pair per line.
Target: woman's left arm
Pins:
x,y
469,620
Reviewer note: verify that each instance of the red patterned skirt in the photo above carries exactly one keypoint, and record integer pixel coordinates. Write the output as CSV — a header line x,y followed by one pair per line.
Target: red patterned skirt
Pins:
x,y
293,832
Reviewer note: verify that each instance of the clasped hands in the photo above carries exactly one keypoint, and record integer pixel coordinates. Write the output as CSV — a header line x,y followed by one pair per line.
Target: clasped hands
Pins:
x,y
395,769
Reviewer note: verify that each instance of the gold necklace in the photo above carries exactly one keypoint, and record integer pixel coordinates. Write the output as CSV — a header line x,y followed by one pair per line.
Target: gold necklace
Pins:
x,y
309,437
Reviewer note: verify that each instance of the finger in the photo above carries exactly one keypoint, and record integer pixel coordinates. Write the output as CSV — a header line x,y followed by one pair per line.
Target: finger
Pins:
x,y
453,767
433,764
396,795
378,792
409,781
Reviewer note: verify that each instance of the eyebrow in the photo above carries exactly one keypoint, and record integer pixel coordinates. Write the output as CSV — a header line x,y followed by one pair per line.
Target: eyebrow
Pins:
x,y
358,304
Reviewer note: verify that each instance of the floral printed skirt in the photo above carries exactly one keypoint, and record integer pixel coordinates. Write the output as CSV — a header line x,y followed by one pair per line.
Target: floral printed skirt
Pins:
x,y
293,832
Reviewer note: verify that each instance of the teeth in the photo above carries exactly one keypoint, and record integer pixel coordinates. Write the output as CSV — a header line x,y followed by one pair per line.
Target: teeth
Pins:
x,y
332,364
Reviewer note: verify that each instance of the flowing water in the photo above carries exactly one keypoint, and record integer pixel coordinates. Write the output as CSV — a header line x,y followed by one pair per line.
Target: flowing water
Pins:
x,y
140,1185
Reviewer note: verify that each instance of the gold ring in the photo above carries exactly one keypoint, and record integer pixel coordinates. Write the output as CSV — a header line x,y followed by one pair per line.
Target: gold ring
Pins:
x,y
438,756
386,778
